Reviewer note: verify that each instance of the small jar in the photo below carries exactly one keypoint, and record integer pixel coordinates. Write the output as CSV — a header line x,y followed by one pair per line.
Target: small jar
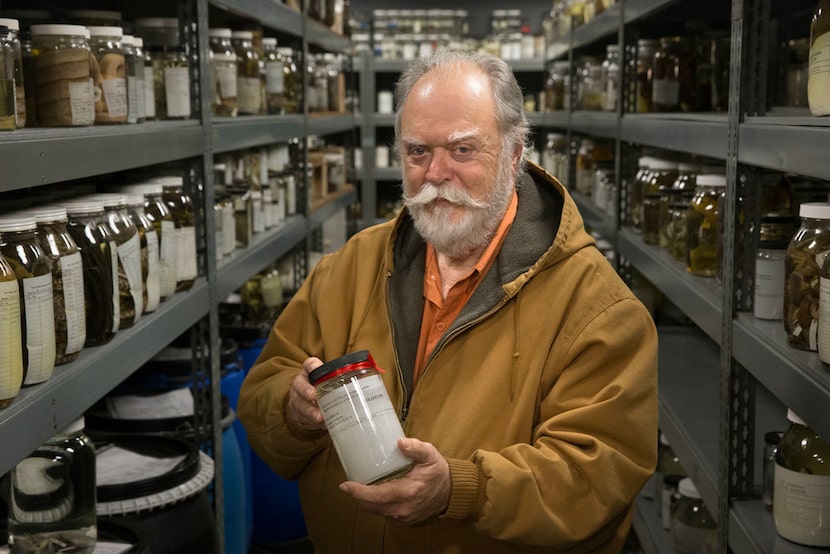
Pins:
x,y
610,78
134,69
11,355
249,84
109,76
635,194
144,63
19,245
673,81
223,64
171,68
803,263
184,216
360,418
67,281
149,248
53,498
646,48
62,75
661,176
589,84
8,112
292,79
12,39
100,263
702,228
771,440
802,485
693,528
818,81
274,77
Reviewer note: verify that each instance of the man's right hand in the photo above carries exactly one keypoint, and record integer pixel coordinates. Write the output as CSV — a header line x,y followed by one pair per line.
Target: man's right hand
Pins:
x,y
302,413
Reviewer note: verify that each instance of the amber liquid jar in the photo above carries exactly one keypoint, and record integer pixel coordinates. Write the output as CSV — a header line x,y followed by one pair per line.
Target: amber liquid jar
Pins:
x,y
181,208
11,355
673,76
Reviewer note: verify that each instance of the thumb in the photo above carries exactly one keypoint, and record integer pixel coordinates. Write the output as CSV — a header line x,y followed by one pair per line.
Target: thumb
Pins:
x,y
413,449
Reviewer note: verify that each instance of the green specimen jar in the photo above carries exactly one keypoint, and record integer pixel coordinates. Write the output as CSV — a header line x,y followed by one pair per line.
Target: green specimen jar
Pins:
x,y
702,228
693,528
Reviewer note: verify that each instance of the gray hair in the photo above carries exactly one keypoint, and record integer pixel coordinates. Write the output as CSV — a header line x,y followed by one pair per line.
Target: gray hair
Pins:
x,y
510,113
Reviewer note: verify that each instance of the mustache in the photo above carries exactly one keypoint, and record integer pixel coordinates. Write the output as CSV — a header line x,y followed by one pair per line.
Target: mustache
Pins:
x,y
430,192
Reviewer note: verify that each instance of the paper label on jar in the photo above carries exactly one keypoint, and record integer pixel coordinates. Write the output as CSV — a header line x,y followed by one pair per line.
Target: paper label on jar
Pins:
x,y
11,343
665,92
167,259
81,103
768,302
39,310
177,91
140,99
186,254
132,99
818,82
115,96
129,252
149,93
801,507
226,78
153,283
274,78
72,275
249,95
116,301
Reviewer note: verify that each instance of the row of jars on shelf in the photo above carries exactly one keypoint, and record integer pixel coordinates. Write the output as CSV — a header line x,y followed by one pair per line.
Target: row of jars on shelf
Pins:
x,y
565,15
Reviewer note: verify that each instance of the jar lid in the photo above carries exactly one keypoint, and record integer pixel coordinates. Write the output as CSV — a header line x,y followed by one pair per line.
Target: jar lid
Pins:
x,y
814,210
220,32
138,42
774,244
65,30
711,180
134,199
645,161
331,368
169,180
687,488
128,40
222,57
109,199
17,221
83,206
285,50
663,165
687,167
244,35
45,214
12,24
157,22
269,41
141,188
105,31
792,417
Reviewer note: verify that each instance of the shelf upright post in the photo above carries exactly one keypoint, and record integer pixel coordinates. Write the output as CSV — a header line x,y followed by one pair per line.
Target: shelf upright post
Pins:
x,y
368,190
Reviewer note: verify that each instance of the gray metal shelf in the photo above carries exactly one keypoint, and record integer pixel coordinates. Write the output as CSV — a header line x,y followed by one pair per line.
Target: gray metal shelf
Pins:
x,y
599,124
34,157
595,217
602,27
702,134
786,143
328,124
238,133
331,205
752,531
39,411
271,14
324,38
654,539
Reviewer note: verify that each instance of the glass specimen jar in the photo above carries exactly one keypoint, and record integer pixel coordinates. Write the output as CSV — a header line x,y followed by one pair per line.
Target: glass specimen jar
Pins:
x,y
109,75
157,212
693,528
184,216
673,76
223,73
249,84
274,76
360,418
610,78
171,68
134,69
8,113
11,356
646,48
818,79
702,225
292,80
12,38
144,63
661,176
67,270
149,248
20,247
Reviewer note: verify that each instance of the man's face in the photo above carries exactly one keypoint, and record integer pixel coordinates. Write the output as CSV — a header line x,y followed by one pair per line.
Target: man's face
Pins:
x,y
457,180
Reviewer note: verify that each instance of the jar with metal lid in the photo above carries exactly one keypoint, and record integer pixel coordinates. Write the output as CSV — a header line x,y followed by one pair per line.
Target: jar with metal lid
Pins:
x,y
62,75
181,208
100,262
805,258
802,485
109,76
646,48
661,176
274,76
224,73
144,63
770,277
12,38
134,70
557,90
818,80
360,418
67,271
673,76
249,86
589,84
693,528
610,78
149,248
53,498
171,68
702,229
11,356
157,212
20,247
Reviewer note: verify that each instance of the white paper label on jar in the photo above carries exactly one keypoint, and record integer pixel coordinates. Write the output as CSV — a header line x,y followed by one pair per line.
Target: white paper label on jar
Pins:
x,y
249,95
39,310
364,429
768,302
177,91
116,301
274,78
129,252
801,506
149,93
382,156
153,283
140,100
665,92
385,102
72,275
818,81
115,96
167,259
11,343
132,99
82,103
186,253
228,229
226,77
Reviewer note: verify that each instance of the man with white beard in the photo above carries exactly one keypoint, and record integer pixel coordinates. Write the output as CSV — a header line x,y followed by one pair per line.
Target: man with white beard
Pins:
x,y
521,366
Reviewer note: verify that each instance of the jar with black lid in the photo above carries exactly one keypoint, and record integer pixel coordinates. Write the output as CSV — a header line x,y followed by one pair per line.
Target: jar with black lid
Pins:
x,y
20,247
11,356
67,281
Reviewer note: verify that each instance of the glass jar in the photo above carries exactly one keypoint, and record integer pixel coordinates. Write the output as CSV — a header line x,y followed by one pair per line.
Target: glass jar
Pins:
x,y
274,76
673,76
702,225
85,225
249,84
8,114
770,279
134,69
62,75
646,48
802,485
109,77
555,156
67,271
171,68
11,356
144,63
693,528
675,230
224,73
589,84
53,498
771,440
184,216
805,258
818,81
292,80
149,248
31,266
556,93
157,212
368,452
610,78
661,177
668,464
635,195
12,39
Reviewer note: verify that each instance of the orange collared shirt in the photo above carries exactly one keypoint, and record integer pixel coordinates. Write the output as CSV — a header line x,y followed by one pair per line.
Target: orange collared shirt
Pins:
x,y
439,312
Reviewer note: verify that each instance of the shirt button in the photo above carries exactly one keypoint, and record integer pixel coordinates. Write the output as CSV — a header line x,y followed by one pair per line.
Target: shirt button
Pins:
x,y
440,326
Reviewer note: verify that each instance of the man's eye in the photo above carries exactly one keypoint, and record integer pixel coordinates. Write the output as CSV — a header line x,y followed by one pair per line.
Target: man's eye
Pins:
x,y
417,151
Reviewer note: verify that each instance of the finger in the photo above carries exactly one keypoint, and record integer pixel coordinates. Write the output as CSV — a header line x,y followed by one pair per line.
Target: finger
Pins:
x,y
418,451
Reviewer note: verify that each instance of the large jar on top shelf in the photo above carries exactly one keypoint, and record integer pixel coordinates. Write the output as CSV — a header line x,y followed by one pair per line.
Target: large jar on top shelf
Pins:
x,y
11,356
109,74
818,80
223,73
673,76
13,39
249,85
170,65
